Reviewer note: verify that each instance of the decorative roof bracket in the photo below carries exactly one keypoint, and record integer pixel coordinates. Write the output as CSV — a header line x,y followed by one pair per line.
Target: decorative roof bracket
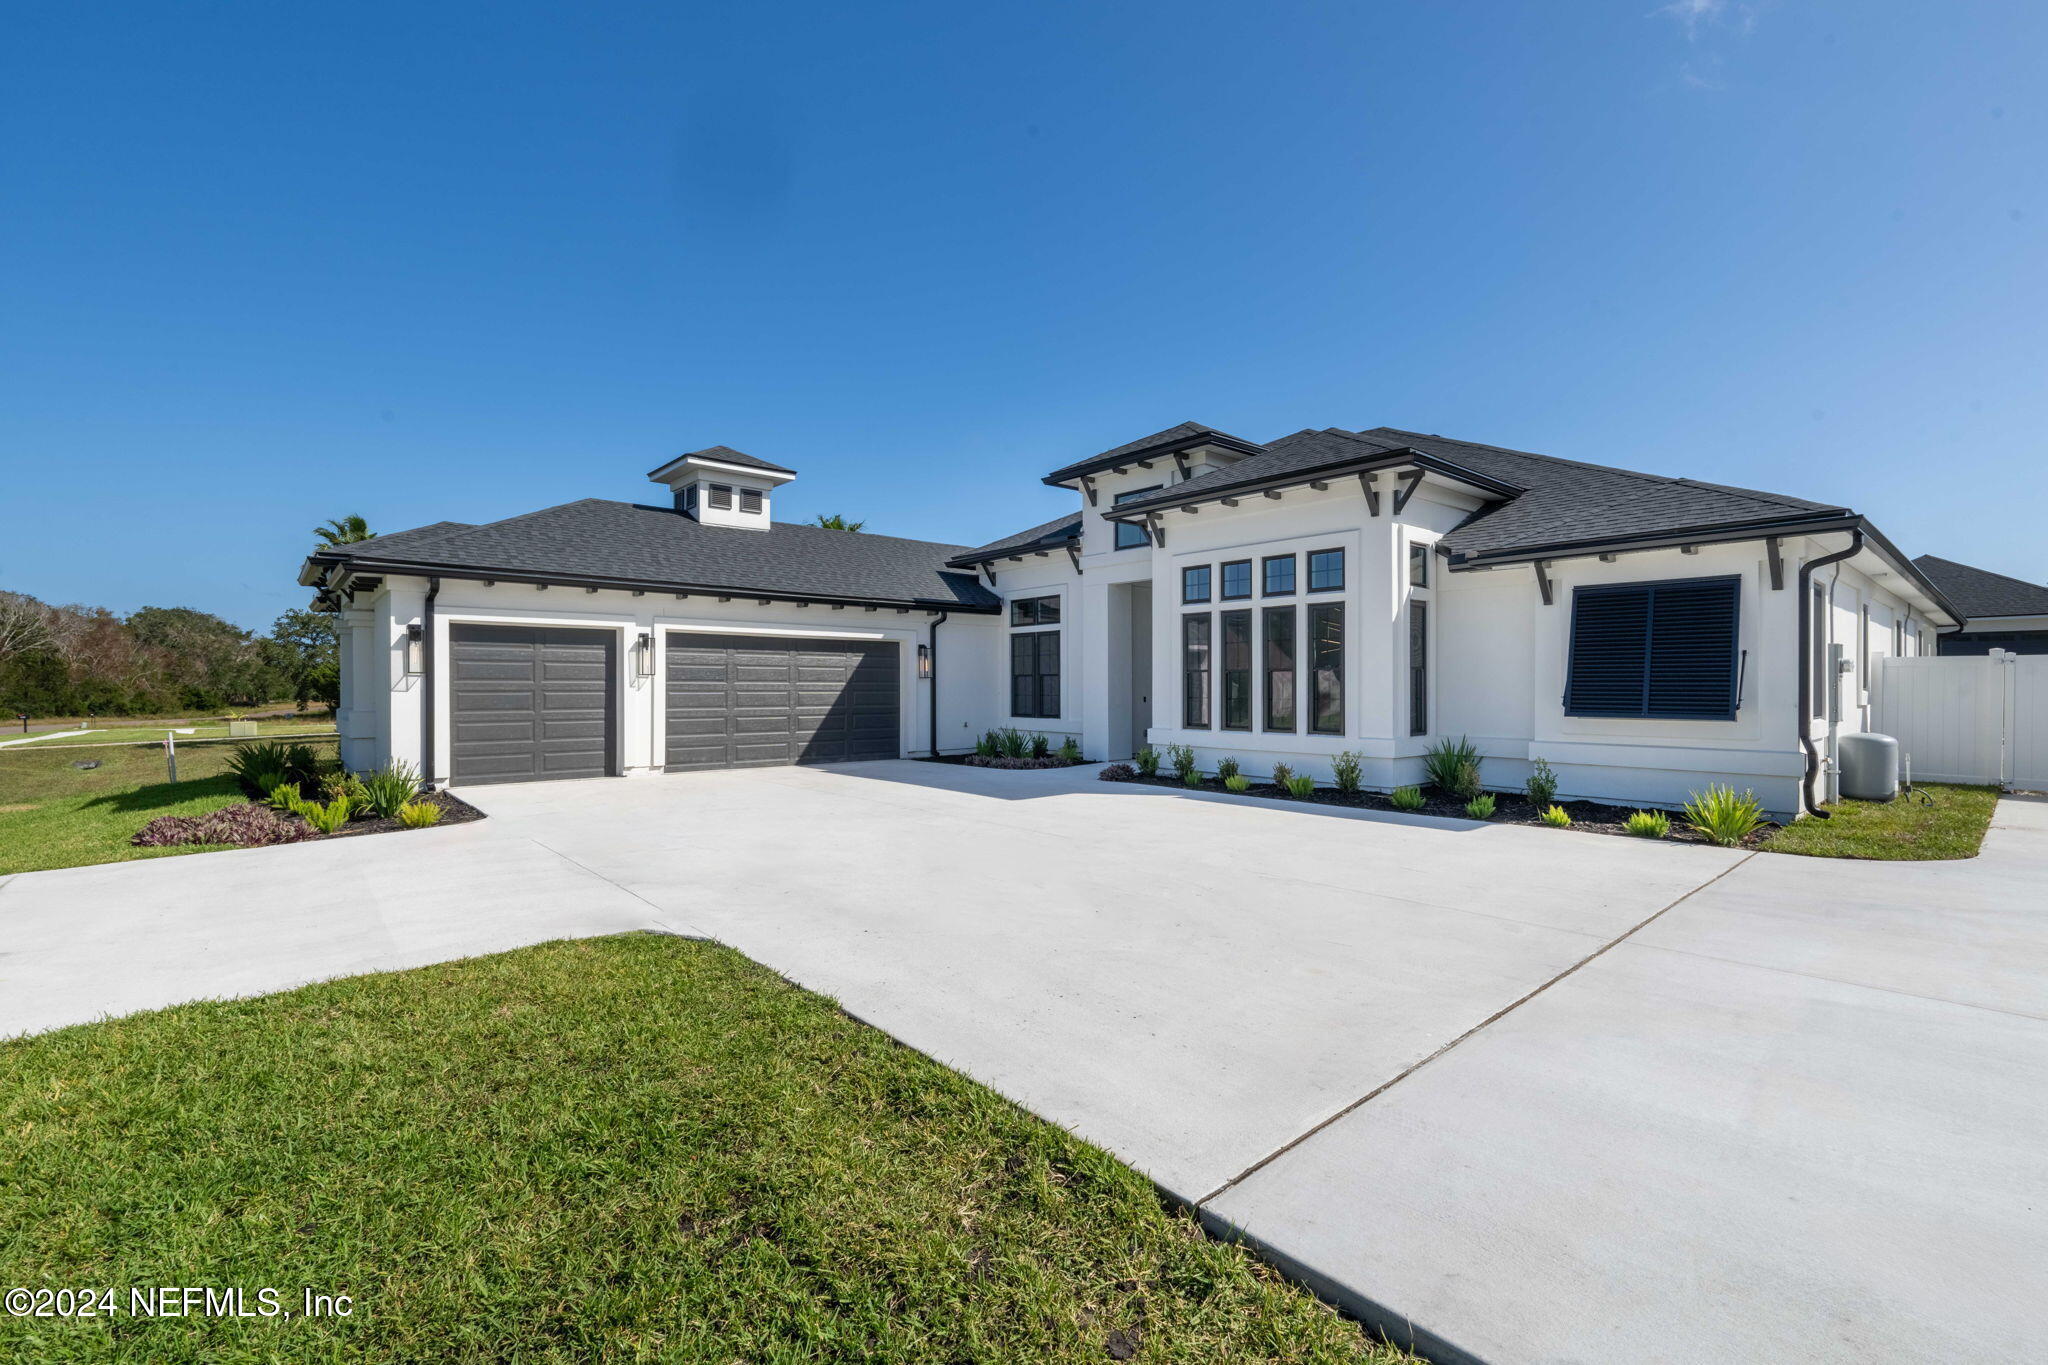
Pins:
x,y
1088,487
1074,553
1372,495
1410,481
1543,584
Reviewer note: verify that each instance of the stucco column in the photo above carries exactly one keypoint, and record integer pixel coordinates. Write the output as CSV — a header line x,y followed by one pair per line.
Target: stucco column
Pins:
x,y
1089,639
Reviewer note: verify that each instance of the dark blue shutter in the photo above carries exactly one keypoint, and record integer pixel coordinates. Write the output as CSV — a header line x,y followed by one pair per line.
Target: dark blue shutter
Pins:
x,y
1663,651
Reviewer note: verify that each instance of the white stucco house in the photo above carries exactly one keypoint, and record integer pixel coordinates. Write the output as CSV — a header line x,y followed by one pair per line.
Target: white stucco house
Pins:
x,y
1331,590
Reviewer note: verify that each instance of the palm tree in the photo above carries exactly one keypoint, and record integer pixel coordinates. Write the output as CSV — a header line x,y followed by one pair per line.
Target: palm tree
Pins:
x,y
344,531
835,522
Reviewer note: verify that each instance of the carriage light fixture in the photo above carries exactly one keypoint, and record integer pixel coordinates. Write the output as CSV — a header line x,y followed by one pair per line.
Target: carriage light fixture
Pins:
x,y
415,650
643,656
924,661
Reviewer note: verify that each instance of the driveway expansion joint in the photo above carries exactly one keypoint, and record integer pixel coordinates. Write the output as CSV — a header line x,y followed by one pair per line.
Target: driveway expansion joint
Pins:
x,y
1491,1019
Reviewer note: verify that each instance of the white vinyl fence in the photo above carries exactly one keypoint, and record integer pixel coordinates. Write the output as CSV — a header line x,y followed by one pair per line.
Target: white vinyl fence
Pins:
x,y
1980,719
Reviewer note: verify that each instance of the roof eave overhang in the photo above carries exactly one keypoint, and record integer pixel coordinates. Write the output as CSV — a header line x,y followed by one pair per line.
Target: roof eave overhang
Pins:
x,y
1183,496
775,476
1719,533
1066,477
470,573
1045,545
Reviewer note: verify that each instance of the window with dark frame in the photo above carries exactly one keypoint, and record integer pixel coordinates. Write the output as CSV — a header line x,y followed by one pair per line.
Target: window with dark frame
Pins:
x,y
1418,668
1418,567
721,497
1035,674
1035,611
1129,537
750,500
1325,570
1194,583
1194,671
1656,651
1237,668
1276,573
1237,580
1326,668
1278,637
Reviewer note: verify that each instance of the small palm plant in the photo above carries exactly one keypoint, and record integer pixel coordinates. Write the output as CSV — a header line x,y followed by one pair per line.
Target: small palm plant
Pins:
x,y
1723,816
1301,786
1452,766
1408,798
1238,782
1481,806
1557,817
1012,744
390,788
1649,824
284,796
419,814
1191,778
328,818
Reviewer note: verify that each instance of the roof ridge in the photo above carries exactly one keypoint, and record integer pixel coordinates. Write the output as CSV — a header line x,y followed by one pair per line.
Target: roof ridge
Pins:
x,y
1778,499
772,526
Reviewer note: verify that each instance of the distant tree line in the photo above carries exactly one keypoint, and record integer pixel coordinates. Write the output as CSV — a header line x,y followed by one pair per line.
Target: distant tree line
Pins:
x,y
71,660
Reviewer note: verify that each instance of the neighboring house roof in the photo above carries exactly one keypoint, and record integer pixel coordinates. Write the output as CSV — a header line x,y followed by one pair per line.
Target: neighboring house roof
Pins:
x,y
724,455
1059,531
1980,592
597,541
1185,436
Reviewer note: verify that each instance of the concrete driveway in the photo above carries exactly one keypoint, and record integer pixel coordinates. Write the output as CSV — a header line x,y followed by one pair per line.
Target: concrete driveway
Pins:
x,y
1514,1095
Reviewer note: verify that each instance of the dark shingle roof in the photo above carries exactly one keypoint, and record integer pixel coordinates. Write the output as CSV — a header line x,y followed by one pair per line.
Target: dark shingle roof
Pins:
x,y
725,455
1980,592
597,539
1183,435
398,542
1546,501
1058,531
1568,501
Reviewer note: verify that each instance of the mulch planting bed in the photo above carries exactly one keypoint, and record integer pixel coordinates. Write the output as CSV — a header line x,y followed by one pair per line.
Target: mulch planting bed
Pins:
x,y
454,811
1511,808
1019,764
254,824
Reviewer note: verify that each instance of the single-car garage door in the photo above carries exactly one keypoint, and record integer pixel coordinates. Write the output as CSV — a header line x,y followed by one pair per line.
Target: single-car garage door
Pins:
x,y
742,701
531,702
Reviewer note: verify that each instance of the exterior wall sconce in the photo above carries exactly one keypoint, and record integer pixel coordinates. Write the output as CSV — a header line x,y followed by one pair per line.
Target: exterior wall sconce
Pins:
x,y
924,661
415,649
643,656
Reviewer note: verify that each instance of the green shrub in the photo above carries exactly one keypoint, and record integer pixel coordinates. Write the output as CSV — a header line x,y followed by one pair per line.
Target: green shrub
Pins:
x,y
1649,824
1182,757
985,747
1557,817
328,818
1010,743
1301,787
1407,798
1069,750
419,814
301,764
1542,786
284,796
1226,768
1452,767
1041,747
345,785
1348,767
1481,806
1723,816
259,767
1282,774
387,790
1148,761
1238,782
1191,778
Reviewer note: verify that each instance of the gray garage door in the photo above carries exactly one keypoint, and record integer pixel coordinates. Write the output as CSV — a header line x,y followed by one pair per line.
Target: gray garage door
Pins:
x,y
531,702
739,701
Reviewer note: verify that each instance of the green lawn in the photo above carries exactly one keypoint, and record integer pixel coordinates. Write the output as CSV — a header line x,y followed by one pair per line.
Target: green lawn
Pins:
x,y
634,1148
1949,823
130,733
55,815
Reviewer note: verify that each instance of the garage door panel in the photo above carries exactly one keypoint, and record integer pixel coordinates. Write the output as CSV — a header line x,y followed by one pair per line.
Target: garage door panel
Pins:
x,y
738,701
531,702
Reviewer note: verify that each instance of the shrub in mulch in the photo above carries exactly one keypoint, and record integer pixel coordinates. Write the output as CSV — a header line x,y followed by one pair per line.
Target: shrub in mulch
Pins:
x,y
254,826
246,826
1119,772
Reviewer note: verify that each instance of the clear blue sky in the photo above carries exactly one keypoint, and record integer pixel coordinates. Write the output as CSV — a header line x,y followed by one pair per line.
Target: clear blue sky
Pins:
x,y
261,266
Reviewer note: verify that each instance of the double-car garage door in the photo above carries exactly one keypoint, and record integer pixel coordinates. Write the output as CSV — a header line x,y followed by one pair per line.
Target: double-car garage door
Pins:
x,y
746,701
536,702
